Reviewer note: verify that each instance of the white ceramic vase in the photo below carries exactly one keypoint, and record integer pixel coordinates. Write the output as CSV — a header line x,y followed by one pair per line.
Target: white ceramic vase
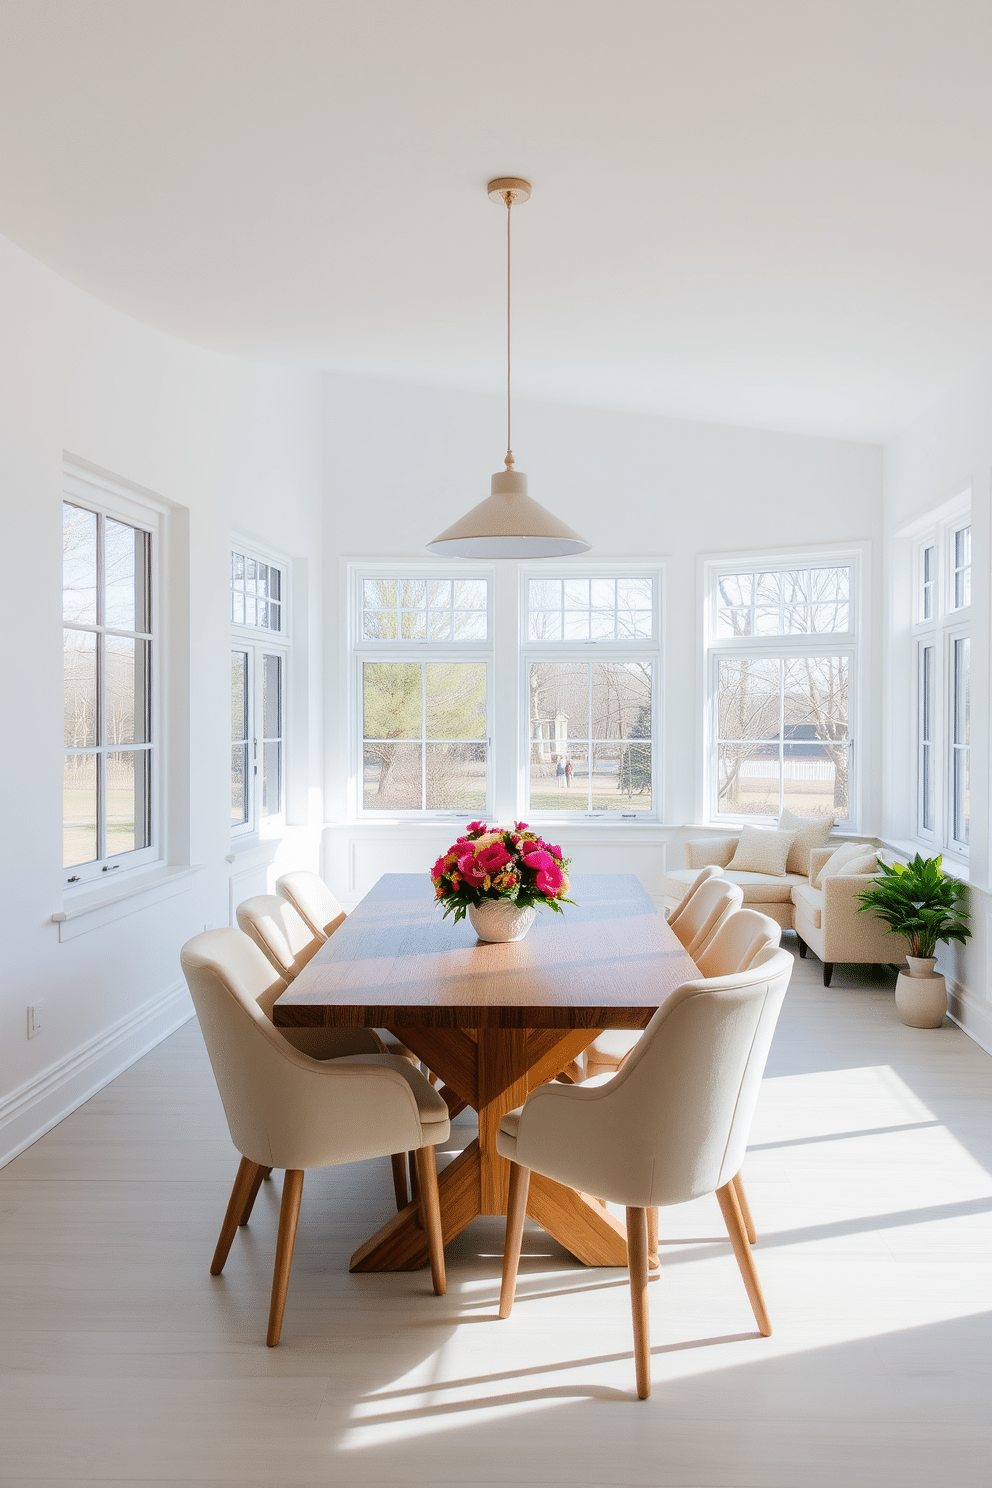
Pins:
x,y
921,993
501,919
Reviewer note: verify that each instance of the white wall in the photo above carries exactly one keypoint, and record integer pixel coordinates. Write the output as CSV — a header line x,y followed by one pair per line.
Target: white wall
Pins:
x,y
403,461
226,443
940,454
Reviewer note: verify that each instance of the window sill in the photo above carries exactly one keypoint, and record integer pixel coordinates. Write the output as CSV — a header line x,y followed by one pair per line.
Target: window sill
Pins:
x,y
82,912
954,866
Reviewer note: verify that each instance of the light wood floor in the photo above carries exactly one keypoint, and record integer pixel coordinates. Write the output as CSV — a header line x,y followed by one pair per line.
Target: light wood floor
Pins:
x,y
123,1361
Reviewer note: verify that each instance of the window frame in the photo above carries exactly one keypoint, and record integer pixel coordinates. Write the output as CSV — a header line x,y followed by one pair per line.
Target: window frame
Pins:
x,y
593,650
946,624
362,650
102,496
848,643
258,642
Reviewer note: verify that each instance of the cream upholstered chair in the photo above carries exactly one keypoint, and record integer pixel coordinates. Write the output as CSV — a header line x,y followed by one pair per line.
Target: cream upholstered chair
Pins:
x,y
829,921
286,1110
711,870
312,900
280,933
670,1126
740,940
712,903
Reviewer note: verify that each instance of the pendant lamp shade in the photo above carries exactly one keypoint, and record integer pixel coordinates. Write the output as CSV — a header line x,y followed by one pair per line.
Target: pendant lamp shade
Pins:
x,y
508,524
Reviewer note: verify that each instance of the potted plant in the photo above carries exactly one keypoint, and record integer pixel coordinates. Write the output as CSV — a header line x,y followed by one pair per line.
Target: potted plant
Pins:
x,y
918,900
497,875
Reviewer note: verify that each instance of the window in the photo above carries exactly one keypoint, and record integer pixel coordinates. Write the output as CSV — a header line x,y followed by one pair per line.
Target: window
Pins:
x,y
258,693
782,655
943,685
428,738
108,640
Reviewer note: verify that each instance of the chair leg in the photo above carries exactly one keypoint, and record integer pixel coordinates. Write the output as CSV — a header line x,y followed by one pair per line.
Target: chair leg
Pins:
x,y
828,971
256,1184
247,1172
637,1265
430,1208
289,1214
745,1208
516,1213
653,1234
745,1260
803,948
398,1160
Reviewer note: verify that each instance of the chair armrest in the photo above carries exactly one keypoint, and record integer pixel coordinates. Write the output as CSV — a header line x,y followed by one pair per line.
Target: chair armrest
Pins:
x,y
706,850
849,934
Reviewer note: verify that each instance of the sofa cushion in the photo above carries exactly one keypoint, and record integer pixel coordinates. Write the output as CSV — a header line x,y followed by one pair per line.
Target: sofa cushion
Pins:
x,y
810,832
809,903
759,888
837,862
762,851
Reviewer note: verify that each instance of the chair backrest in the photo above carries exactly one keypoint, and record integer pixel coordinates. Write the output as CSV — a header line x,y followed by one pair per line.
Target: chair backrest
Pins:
x,y
279,932
712,870
712,903
673,1122
311,898
742,937
284,1109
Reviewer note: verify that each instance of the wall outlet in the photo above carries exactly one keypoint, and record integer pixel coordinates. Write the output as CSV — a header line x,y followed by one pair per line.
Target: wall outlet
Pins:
x,y
34,1019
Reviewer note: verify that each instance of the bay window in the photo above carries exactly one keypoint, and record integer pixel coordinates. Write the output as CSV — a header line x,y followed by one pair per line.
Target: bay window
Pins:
x,y
941,637
259,659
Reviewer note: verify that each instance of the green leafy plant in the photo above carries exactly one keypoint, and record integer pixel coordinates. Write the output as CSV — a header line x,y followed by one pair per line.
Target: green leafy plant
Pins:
x,y
919,901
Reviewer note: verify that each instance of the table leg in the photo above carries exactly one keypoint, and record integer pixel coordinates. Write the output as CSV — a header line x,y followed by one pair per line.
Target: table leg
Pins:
x,y
401,1244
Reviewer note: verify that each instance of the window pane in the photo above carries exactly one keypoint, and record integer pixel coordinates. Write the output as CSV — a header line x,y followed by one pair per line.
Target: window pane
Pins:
x,y
392,777
962,568
79,695
413,625
634,594
391,699
470,594
577,594
239,694
126,567
272,697
545,625
797,601
379,594
380,625
551,787
470,625
962,736
456,700
926,728
749,699
590,609
239,783
439,625
126,705
559,702
78,809
816,749
621,700
456,777
748,781
544,594
575,625
631,782
78,564
127,801
271,777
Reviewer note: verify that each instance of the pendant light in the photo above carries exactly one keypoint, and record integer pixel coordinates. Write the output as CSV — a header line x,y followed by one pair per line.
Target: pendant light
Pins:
x,y
508,524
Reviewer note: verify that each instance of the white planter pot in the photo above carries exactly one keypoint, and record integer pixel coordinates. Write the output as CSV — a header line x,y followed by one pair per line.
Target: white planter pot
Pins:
x,y
921,994
501,919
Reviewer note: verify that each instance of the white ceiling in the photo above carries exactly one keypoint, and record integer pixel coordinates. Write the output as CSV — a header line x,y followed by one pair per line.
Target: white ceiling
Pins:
x,y
770,212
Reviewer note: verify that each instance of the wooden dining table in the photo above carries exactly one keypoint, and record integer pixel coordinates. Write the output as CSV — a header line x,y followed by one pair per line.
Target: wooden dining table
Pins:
x,y
492,1022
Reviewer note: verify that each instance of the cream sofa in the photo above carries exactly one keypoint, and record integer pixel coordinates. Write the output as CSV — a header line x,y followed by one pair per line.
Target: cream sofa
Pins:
x,y
828,921
762,891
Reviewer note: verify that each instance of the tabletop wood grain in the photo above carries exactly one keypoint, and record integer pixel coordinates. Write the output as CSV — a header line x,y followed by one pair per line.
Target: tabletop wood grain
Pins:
x,y
608,961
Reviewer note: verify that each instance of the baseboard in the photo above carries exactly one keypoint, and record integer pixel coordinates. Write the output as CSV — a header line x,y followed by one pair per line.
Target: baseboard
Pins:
x,y
46,1099
973,1016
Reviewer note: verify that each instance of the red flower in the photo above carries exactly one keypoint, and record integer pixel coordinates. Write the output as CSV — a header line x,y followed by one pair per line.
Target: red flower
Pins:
x,y
549,881
477,827
473,871
537,858
493,857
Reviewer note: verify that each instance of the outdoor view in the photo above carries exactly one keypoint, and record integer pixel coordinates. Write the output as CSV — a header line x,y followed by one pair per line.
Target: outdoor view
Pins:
x,y
424,735
106,787
590,730
783,736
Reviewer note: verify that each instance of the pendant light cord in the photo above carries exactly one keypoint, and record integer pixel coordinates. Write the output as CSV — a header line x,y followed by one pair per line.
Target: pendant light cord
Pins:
x,y
508,198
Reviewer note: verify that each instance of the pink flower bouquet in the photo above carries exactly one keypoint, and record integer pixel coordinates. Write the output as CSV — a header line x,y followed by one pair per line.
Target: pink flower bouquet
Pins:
x,y
500,863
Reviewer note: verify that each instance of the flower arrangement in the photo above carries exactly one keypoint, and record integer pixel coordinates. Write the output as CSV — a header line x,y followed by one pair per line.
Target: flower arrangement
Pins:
x,y
500,863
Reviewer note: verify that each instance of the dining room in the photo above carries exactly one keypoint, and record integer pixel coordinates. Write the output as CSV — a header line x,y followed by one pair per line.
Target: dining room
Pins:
x,y
281,287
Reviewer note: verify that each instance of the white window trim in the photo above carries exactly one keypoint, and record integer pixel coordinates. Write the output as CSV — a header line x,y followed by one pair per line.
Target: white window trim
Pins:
x,y
257,640
652,650
361,650
852,643
109,496
945,625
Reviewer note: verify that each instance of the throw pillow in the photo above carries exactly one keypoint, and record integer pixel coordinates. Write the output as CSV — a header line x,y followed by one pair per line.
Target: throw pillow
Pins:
x,y
867,864
761,851
837,862
811,831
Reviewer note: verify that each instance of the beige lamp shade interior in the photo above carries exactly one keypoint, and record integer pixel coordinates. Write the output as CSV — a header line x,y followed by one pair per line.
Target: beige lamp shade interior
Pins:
x,y
508,524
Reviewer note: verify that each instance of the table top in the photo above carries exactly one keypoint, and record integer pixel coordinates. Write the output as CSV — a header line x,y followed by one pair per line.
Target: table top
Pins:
x,y
608,961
